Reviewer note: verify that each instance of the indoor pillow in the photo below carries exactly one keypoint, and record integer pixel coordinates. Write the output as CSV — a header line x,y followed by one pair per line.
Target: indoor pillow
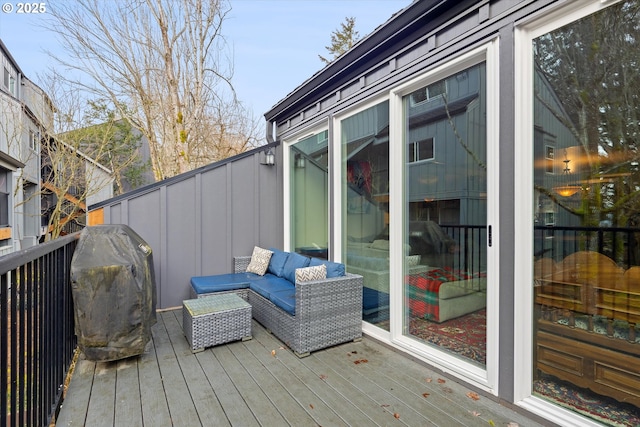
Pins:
x,y
413,260
294,261
308,274
380,244
259,261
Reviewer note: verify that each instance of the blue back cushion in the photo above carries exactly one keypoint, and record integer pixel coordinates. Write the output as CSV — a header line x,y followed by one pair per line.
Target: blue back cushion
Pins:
x,y
294,261
270,284
276,264
334,269
222,282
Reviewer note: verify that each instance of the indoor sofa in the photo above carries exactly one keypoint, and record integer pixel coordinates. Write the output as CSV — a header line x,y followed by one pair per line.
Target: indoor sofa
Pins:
x,y
303,310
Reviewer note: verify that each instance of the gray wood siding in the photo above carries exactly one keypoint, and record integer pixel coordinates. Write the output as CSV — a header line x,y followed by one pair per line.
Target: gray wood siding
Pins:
x,y
196,223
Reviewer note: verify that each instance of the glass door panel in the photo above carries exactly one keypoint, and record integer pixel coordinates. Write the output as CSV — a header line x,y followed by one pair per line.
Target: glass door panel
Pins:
x,y
445,239
586,265
365,189
309,183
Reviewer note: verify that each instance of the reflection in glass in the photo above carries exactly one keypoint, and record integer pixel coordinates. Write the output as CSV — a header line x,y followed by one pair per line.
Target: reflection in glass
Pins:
x,y
309,163
365,154
587,215
445,214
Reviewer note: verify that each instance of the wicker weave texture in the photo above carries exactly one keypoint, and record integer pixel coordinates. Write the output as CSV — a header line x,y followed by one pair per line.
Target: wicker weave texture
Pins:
x,y
242,293
328,312
216,319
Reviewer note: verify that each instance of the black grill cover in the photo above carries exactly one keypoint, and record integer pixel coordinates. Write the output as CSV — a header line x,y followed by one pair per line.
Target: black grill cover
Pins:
x,y
114,292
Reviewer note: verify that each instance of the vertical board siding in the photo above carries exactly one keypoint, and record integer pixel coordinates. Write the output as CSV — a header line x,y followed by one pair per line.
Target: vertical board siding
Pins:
x,y
196,223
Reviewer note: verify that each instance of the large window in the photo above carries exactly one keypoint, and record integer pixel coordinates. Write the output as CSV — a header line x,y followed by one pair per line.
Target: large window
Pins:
x,y
365,168
586,236
309,183
445,253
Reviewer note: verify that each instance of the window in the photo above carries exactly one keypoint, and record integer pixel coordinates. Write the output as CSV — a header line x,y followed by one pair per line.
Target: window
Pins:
x,y
6,78
584,241
4,197
365,216
420,150
309,194
446,211
34,140
429,92
549,158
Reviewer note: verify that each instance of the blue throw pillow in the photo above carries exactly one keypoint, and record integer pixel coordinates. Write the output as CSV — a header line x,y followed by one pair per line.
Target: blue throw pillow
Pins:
x,y
276,264
294,261
334,269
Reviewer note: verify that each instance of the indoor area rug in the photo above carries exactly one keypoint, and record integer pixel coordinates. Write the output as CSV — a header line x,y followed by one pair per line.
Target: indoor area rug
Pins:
x,y
601,409
465,336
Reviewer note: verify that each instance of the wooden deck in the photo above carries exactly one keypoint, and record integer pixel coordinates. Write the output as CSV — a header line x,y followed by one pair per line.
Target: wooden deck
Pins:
x,y
261,383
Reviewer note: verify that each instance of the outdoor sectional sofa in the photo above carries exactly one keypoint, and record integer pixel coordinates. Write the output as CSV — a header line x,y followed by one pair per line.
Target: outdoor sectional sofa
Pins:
x,y
305,315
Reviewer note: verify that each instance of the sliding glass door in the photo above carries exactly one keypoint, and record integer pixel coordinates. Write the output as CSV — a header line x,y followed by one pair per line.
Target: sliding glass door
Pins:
x,y
445,214
365,206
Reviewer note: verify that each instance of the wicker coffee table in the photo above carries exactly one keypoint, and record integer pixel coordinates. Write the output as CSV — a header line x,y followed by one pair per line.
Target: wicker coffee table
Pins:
x,y
215,319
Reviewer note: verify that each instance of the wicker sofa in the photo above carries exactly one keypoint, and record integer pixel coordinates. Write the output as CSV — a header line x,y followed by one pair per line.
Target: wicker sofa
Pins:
x,y
306,316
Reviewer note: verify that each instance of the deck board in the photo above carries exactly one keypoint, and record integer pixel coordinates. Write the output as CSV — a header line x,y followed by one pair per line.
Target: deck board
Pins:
x,y
260,382
128,409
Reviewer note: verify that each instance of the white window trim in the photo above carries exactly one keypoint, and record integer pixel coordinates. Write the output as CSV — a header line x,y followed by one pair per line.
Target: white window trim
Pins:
x,y
484,379
525,32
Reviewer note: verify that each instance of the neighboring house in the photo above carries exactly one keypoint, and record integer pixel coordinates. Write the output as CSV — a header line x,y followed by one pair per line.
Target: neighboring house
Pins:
x,y
26,122
127,144
507,127
26,116
95,185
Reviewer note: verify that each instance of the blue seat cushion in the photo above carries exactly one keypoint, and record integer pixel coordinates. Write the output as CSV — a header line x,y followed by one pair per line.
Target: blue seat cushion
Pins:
x,y
277,261
334,269
294,261
223,282
286,300
373,300
269,284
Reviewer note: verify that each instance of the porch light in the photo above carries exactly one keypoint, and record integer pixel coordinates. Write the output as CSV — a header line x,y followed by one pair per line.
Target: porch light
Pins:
x,y
269,158
300,162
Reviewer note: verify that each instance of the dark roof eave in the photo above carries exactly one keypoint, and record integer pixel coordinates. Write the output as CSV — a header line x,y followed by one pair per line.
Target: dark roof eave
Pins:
x,y
398,30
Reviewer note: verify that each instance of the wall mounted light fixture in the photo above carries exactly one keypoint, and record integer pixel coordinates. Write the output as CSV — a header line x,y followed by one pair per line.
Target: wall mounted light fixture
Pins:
x,y
269,158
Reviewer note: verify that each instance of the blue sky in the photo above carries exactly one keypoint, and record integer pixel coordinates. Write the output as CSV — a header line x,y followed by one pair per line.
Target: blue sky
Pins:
x,y
275,43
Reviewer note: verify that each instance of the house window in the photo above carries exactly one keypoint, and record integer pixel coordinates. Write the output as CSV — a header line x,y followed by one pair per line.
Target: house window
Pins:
x,y
580,328
34,140
365,215
6,78
4,197
428,92
420,150
549,159
445,205
309,194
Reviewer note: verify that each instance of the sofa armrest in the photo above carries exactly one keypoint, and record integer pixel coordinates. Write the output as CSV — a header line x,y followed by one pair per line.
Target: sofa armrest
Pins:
x,y
331,297
240,263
